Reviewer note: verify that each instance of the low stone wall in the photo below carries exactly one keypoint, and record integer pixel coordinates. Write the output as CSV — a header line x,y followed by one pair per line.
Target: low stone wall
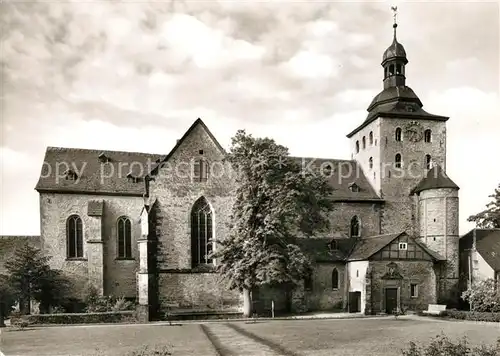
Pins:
x,y
77,318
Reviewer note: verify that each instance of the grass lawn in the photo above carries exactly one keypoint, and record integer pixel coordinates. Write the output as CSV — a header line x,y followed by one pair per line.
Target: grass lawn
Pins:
x,y
109,340
358,337
368,336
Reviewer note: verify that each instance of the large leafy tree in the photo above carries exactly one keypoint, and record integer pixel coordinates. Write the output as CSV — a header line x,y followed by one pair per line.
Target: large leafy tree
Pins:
x,y
7,298
276,203
31,278
490,217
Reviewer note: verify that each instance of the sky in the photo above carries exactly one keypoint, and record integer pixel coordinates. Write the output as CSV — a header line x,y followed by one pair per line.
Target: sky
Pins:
x,y
133,76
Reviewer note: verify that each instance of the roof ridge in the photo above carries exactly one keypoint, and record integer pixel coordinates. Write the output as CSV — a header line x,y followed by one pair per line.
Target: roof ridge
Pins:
x,y
93,150
332,159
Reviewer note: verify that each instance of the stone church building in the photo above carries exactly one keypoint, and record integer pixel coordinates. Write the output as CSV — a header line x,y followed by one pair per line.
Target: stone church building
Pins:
x,y
141,225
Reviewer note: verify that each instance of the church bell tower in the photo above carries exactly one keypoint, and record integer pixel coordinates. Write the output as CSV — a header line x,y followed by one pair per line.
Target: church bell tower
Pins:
x,y
398,142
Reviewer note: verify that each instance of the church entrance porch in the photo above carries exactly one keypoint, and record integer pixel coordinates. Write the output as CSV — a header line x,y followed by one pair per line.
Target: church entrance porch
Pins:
x,y
391,300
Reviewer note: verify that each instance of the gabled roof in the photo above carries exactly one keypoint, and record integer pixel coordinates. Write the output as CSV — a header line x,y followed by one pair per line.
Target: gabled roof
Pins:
x,y
436,178
368,246
487,244
94,168
343,174
198,121
489,248
94,176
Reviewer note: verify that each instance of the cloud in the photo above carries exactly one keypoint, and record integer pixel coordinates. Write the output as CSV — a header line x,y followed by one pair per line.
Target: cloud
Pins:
x,y
134,76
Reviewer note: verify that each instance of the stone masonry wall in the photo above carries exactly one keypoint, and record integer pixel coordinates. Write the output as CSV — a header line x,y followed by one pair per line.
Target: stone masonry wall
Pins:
x,y
399,210
438,215
418,272
199,291
119,275
175,193
340,219
371,150
323,296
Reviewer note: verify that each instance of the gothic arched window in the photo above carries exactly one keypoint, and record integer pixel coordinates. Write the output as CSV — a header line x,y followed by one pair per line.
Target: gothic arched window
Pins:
x,y
335,279
397,161
355,227
427,135
398,135
371,137
364,142
370,162
428,161
74,237
357,146
124,237
201,233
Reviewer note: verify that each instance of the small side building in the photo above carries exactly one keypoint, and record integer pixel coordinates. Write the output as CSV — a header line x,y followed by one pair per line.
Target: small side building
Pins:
x,y
479,257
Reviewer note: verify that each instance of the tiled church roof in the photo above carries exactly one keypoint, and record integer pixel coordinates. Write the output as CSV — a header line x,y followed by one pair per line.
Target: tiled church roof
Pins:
x,y
93,170
436,178
343,174
320,249
97,172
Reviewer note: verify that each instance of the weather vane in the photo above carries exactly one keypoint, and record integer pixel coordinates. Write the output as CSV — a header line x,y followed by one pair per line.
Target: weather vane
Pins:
x,y
395,13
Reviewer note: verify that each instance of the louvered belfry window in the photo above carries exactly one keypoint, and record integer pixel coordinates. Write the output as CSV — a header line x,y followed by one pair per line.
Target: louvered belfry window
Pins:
x,y
201,233
200,170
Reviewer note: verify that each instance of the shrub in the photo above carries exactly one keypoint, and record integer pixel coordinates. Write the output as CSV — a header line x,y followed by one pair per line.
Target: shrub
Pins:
x,y
441,345
79,318
483,296
469,315
122,304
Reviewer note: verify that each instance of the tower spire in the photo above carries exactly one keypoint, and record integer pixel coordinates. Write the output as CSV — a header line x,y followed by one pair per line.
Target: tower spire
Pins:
x,y
395,16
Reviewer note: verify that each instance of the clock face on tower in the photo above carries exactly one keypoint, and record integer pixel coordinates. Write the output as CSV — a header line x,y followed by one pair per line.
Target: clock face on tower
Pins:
x,y
414,132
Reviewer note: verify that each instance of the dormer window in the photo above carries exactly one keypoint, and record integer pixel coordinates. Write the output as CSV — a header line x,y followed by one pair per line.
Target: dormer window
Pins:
x,y
132,178
70,175
327,170
103,158
353,187
333,245
200,170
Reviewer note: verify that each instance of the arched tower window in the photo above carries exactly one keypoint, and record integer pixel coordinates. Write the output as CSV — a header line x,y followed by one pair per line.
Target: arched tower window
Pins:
x,y
201,233
428,161
355,227
74,237
391,69
357,146
370,162
397,161
335,279
124,237
399,134
371,137
427,135
364,142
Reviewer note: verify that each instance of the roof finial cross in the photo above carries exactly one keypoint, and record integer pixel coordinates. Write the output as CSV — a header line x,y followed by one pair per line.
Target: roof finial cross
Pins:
x,y
395,14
